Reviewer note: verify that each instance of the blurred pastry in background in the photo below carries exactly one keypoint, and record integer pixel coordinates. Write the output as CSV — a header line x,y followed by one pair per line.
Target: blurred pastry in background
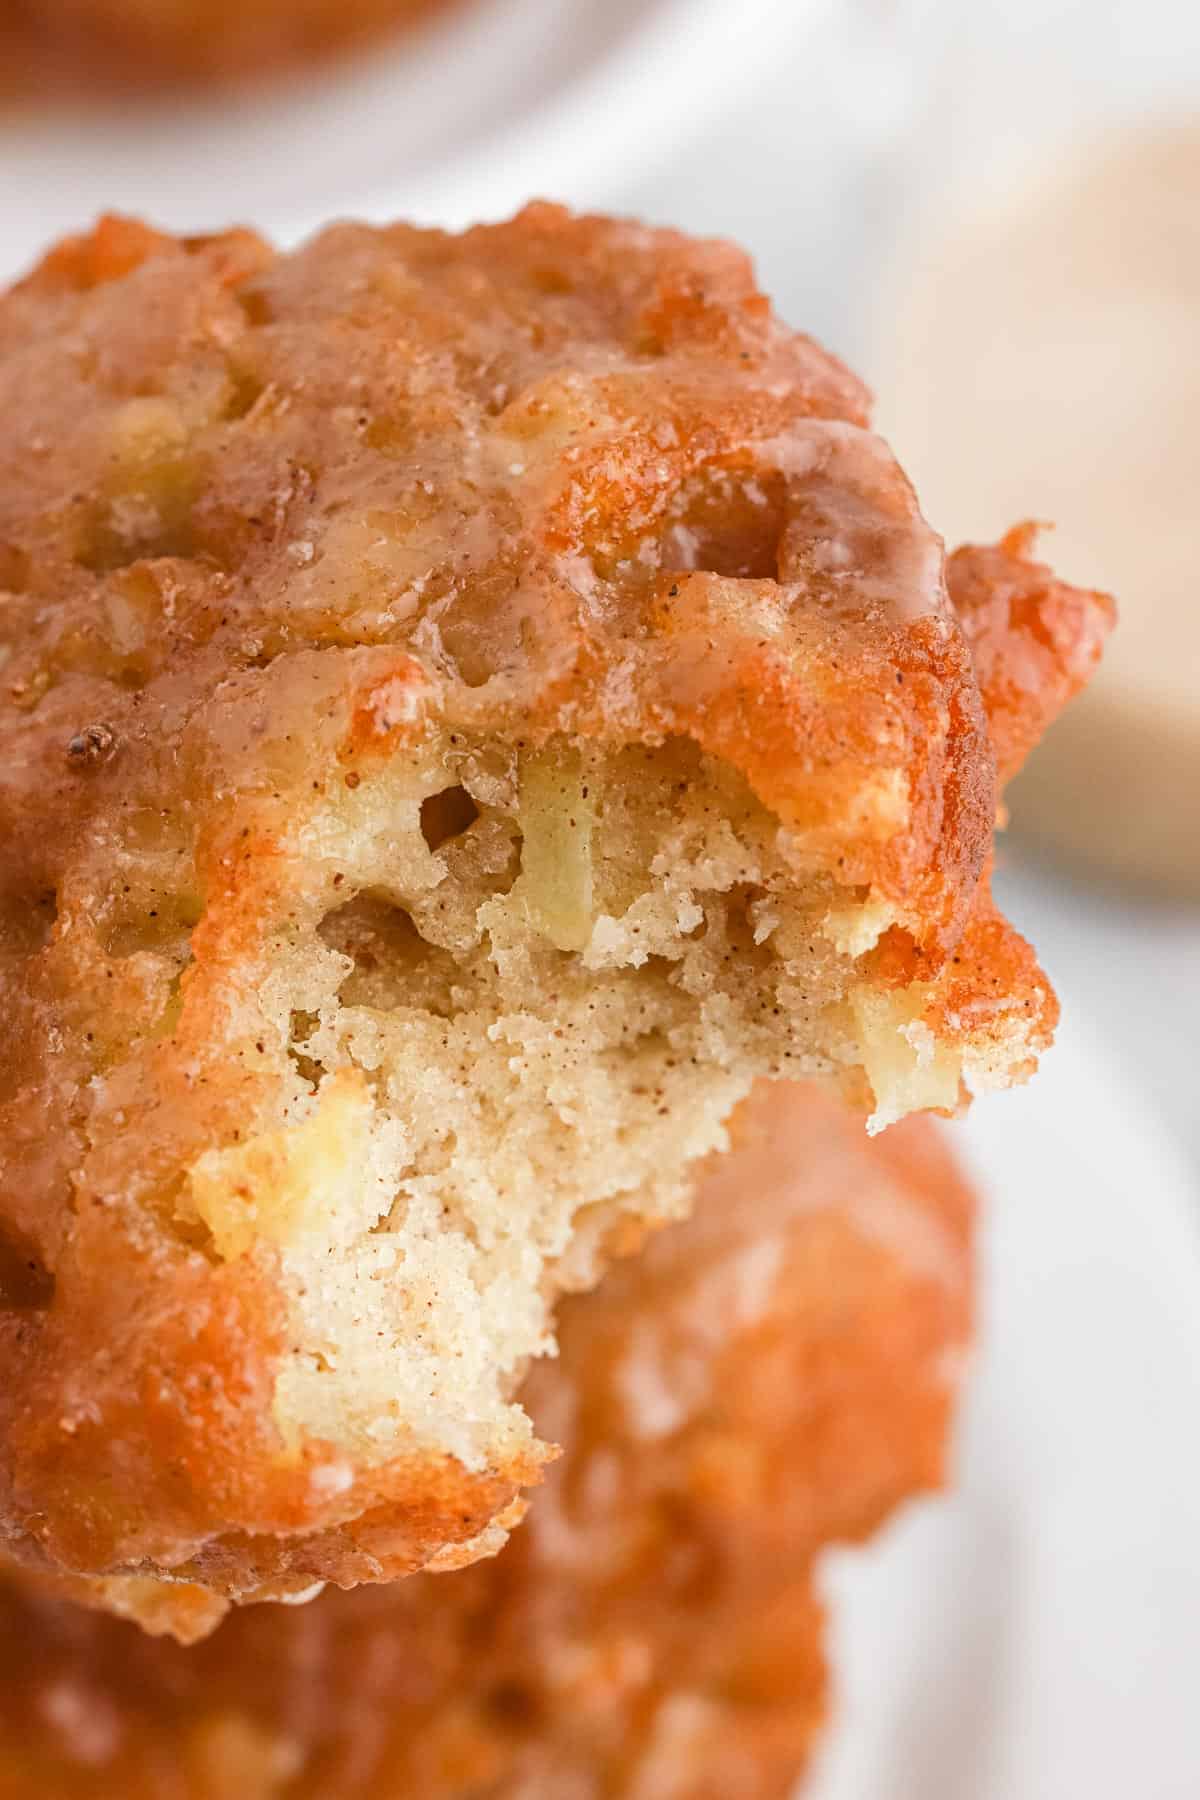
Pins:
x,y
1047,365
774,1376
122,44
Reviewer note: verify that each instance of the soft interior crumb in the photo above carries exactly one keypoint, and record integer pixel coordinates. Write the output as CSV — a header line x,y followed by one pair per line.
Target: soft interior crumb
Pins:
x,y
542,982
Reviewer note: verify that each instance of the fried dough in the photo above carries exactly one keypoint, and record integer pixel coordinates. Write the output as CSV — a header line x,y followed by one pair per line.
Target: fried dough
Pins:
x,y
471,707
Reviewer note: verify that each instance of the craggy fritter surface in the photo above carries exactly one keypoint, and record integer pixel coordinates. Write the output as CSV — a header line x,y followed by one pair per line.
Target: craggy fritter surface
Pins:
x,y
773,1376
262,518
1034,639
53,47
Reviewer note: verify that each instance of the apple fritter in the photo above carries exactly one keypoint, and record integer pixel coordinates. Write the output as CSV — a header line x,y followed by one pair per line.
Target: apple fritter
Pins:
x,y
471,707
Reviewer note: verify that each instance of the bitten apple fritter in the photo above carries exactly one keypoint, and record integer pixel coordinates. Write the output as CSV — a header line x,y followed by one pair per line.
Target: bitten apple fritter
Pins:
x,y
471,707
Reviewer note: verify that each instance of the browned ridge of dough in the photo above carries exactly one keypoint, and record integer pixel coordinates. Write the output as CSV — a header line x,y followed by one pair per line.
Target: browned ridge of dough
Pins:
x,y
470,706
776,1375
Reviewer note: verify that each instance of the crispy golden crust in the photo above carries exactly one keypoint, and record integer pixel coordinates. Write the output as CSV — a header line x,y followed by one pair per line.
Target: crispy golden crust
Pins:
x,y
774,1376
1035,640
604,405
265,523
76,46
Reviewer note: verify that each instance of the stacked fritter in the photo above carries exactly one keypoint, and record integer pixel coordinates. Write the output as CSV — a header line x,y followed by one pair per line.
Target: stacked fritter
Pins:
x,y
772,1376
477,710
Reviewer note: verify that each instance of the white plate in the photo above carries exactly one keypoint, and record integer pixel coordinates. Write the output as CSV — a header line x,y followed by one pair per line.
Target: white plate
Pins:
x,y
1036,1635
467,119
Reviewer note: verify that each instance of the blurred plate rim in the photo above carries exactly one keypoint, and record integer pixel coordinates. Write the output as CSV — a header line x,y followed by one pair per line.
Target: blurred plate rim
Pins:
x,y
1036,1629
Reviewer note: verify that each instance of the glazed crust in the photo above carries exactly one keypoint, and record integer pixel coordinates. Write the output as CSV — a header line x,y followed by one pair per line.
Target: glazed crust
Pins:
x,y
264,520
1036,642
192,415
773,1376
